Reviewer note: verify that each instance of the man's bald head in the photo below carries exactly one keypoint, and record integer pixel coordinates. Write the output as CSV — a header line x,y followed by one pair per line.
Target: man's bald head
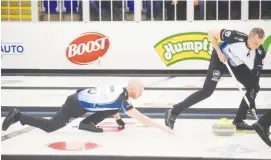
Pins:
x,y
135,83
135,88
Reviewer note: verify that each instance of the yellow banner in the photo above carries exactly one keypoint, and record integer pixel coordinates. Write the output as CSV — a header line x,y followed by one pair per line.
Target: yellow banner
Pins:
x,y
184,46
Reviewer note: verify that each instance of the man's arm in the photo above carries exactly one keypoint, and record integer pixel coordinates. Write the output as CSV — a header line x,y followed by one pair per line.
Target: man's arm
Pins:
x,y
134,113
117,116
214,37
232,35
225,35
258,63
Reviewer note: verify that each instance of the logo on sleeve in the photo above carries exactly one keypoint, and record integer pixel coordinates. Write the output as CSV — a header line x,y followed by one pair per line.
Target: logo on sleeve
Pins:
x,y
227,33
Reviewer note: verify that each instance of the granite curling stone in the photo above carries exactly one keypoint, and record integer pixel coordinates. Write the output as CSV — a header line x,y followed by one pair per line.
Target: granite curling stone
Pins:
x,y
224,128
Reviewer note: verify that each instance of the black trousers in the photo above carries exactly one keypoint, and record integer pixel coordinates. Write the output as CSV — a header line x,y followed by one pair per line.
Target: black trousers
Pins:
x,y
265,120
70,110
215,71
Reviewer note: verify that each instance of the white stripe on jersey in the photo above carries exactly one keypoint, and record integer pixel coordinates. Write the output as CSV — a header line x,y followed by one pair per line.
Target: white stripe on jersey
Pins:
x,y
100,94
237,52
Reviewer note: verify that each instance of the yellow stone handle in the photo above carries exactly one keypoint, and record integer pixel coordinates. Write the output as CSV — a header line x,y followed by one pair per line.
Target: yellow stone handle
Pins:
x,y
224,121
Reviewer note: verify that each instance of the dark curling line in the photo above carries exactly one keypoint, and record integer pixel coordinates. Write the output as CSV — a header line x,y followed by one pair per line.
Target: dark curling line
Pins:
x,y
16,133
147,88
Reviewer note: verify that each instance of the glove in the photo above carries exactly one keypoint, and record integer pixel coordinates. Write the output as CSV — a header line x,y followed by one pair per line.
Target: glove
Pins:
x,y
121,123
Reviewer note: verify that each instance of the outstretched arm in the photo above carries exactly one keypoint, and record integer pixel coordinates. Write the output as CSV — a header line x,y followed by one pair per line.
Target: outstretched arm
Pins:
x,y
134,113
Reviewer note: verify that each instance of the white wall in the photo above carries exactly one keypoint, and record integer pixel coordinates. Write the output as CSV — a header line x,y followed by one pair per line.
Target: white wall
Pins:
x,y
130,44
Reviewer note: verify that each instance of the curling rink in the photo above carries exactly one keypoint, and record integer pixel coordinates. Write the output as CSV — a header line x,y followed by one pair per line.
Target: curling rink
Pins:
x,y
193,138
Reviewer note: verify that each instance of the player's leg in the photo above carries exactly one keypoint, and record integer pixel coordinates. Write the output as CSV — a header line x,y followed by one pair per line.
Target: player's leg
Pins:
x,y
262,126
90,122
70,109
265,120
48,125
215,71
244,76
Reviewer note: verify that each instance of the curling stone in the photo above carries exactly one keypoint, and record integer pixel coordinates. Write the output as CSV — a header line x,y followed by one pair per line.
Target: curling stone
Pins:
x,y
224,128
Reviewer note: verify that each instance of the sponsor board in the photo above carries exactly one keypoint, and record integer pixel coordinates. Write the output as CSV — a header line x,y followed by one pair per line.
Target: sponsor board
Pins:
x,y
86,48
184,46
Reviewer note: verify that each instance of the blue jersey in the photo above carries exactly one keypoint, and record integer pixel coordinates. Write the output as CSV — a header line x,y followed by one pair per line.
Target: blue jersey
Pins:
x,y
104,98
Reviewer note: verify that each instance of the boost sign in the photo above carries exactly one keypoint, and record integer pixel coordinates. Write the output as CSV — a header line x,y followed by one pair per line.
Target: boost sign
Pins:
x,y
87,48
